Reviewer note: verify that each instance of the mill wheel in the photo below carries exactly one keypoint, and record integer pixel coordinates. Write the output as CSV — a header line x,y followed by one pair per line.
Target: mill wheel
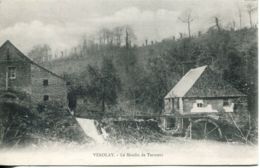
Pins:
x,y
204,129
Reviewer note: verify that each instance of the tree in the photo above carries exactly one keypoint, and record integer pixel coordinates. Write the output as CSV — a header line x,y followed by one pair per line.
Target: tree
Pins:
x,y
217,23
250,10
130,36
126,57
40,53
118,33
187,17
240,17
110,83
104,84
105,36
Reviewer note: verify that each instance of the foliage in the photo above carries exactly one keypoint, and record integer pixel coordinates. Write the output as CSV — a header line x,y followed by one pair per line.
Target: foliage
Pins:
x,y
40,53
22,126
16,124
133,132
147,73
101,85
54,122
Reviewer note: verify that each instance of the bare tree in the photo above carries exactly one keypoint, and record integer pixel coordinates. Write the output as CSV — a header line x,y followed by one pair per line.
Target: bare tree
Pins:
x,y
105,36
118,33
233,25
130,36
116,36
146,42
127,41
40,53
181,35
240,17
187,17
250,10
217,23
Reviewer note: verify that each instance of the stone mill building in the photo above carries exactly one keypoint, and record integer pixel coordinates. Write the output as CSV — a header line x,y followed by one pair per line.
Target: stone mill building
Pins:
x,y
20,74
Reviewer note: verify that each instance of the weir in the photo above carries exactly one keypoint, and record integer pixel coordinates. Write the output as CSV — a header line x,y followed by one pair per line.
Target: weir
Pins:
x,y
91,129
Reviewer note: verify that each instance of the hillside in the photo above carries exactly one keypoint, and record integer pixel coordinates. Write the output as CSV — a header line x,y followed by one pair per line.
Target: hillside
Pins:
x,y
147,73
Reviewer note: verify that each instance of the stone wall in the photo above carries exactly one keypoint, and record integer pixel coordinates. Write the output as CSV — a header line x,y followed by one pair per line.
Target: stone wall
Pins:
x,y
29,77
55,90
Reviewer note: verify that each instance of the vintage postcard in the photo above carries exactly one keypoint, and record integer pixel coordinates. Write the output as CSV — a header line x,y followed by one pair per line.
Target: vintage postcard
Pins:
x,y
128,82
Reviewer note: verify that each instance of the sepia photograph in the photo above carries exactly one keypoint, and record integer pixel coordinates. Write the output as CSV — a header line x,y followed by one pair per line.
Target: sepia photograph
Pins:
x,y
128,82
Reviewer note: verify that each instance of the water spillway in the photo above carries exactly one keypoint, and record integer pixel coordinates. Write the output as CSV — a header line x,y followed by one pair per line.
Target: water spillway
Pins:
x,y
91,129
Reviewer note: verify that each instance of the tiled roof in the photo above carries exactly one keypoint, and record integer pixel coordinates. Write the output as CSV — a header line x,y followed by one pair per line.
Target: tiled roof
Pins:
x,y
203,82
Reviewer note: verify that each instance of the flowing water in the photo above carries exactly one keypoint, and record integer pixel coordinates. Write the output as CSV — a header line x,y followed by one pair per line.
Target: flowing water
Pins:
x,y
92,129
176,151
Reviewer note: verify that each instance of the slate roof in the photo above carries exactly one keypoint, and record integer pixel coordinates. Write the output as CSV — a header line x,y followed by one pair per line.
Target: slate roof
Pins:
x,y
203,82
8,44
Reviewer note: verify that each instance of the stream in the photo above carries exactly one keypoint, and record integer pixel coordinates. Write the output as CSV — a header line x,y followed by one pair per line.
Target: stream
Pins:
x,y
92,129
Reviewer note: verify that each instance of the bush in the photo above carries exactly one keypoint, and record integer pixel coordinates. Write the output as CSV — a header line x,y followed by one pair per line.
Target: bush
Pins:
x,y
130,131
21,126
16,124
56,123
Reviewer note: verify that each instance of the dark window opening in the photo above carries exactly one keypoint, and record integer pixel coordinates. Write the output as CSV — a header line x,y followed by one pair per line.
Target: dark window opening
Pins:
x,y
68,83
11,72
45,98
225,102
45,82
199,104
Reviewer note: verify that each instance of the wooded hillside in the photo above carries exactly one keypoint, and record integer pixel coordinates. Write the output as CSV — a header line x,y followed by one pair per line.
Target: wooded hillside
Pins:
x,y
117,76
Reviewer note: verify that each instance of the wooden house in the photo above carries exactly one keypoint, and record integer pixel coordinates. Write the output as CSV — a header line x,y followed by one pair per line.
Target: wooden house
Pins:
x,y
18,73
201,94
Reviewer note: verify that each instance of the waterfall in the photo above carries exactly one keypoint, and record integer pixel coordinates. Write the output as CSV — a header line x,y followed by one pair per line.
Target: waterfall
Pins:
x,y
92,129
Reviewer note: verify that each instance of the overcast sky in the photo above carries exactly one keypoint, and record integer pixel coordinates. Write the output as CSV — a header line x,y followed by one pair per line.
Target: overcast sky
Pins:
x,y
61,23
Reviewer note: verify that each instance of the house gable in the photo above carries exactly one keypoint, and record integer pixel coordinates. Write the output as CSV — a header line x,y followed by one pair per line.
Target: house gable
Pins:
x,y
14,54
8,52
19,73
10,58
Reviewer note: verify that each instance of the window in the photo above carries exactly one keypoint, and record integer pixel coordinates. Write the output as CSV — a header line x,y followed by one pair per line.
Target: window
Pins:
x,y
45,82
11,72
45,98
199,103
225,102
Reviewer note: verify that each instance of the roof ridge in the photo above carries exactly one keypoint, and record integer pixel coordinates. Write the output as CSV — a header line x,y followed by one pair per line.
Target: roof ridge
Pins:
x,y
31,61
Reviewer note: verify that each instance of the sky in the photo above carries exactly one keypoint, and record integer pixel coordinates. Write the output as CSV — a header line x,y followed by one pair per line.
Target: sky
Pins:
x,y
62,23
